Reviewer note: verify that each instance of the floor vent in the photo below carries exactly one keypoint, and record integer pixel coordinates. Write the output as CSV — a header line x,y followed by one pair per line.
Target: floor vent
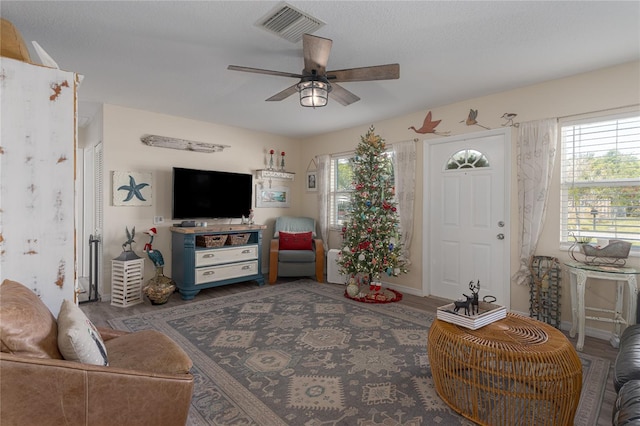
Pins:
x,y
289,23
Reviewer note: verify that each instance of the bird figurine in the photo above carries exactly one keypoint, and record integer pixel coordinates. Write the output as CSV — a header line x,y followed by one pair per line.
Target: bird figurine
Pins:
x,y
428,126
154,255
159,288
509,116
130,238
471,119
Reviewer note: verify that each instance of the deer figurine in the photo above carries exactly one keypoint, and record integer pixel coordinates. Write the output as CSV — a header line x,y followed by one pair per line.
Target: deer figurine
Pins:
x,y
475,289
463,304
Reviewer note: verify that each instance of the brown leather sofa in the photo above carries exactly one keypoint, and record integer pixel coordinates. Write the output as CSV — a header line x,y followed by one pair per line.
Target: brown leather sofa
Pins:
x,y
147,382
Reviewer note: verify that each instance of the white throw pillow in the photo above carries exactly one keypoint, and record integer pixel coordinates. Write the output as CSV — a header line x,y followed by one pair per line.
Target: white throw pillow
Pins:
x,y
78,338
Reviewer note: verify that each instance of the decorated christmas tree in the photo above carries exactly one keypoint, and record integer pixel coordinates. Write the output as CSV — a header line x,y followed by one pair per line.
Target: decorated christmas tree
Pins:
x,y
371,235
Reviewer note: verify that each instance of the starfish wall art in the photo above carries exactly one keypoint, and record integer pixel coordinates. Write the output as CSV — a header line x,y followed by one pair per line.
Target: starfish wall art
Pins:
x,y
132,189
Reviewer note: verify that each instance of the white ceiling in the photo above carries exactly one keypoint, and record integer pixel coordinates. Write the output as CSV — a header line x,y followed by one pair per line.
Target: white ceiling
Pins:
x,y
171,57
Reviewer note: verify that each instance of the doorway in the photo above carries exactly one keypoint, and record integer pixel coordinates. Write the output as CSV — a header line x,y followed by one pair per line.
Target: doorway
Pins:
x,y
466,222
90,223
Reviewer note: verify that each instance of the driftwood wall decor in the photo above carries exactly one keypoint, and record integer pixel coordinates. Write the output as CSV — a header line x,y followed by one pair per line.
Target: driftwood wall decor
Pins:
x,y
185,145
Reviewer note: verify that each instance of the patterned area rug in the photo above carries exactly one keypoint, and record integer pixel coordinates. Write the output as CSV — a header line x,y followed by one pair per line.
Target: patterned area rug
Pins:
x,y
301,353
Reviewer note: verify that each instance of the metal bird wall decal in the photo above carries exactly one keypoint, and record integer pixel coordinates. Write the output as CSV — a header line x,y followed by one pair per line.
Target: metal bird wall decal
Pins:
x,y
509,116
471,119
429,126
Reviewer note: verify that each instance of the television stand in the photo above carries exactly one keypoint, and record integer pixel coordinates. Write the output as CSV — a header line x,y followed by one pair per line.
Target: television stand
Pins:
x,y
194,268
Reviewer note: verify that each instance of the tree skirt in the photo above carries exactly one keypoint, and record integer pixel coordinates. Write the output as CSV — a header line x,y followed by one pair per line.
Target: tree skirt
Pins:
x,y
384,295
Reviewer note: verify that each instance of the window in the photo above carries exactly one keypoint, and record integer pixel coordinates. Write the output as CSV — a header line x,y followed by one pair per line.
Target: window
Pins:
x,y
467,159
341,189
341,184
600,184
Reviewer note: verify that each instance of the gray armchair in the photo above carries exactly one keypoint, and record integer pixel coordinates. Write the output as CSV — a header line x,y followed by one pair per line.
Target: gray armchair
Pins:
x,y
295,251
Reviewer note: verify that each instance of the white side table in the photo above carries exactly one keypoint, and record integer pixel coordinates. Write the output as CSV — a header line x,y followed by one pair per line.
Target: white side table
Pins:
x,y
578,274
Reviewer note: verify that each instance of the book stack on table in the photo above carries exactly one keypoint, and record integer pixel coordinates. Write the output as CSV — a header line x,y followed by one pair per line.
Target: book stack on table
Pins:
x,y
487,313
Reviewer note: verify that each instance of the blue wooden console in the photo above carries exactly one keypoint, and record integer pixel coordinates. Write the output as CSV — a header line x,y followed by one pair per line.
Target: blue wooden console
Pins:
x,y
194,268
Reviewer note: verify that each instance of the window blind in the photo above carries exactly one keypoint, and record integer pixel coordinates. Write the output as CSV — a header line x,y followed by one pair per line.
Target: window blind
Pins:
x,y
601,178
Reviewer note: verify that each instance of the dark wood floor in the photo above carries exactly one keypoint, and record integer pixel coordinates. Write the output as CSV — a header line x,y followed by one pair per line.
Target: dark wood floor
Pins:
x,y
100,312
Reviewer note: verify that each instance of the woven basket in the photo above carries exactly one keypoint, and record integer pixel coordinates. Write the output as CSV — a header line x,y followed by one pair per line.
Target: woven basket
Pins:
x,y
513,371
211,240
238,239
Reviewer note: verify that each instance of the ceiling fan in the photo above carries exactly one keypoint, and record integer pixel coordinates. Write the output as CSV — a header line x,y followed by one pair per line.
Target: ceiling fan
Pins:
x,y
316,83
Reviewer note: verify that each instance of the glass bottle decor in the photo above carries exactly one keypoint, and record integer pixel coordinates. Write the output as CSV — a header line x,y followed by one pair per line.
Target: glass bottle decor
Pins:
x,y
282,161
271,159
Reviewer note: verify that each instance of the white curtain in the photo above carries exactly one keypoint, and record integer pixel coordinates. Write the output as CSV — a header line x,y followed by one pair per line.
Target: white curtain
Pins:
x,y
404,169
323,182
536,153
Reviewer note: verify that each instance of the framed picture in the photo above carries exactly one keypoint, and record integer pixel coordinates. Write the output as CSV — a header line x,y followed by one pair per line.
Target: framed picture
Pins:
x,y
312,181
132,189
272,197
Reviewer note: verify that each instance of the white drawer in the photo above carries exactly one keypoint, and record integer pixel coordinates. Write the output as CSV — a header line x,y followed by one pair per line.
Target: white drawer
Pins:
x,y
217,256
223,272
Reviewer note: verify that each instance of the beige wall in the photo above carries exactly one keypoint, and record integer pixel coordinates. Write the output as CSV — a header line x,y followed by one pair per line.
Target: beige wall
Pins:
x,y
123,151
600,90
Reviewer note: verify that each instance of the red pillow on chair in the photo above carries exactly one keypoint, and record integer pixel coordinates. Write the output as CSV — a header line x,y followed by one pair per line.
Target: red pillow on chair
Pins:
x,y
296,240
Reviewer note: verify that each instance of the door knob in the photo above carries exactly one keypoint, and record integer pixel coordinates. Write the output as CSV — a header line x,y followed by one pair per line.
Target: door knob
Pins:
x,y
500,236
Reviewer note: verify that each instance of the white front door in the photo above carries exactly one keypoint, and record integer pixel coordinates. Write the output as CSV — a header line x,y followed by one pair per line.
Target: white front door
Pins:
x,y
466,222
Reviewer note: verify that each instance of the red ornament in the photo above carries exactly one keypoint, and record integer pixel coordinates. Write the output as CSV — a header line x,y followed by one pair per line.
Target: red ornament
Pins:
x,y
272,152
282,153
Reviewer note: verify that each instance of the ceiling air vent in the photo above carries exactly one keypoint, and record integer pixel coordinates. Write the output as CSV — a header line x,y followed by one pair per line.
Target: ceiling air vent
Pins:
x,y
289,23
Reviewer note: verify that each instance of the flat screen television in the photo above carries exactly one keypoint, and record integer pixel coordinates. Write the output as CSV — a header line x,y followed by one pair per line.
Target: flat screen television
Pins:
x,y
208,194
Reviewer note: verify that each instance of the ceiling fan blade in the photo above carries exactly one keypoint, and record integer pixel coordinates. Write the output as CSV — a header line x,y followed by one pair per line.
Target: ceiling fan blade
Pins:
x,y
284,94
261,71
342,95
316,53
378,72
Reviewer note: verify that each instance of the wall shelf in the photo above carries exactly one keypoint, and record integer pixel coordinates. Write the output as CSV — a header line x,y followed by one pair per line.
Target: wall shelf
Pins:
x,y
274,174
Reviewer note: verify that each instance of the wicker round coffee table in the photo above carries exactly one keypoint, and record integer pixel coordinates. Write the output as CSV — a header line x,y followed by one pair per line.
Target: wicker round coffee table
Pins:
x,y
516,371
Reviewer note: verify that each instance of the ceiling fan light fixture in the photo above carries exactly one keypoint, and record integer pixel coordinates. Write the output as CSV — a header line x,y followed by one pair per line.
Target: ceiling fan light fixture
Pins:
x,y
314,91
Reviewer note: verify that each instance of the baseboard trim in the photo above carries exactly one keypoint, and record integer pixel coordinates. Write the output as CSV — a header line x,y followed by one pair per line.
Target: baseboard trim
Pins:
x,y
404,289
